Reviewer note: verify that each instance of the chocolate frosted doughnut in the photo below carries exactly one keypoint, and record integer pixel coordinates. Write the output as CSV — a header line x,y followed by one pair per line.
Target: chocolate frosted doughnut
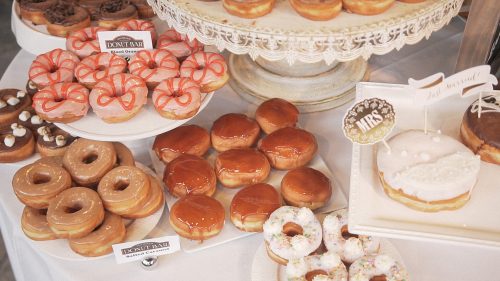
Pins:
x,y
33,10
114,12
63,18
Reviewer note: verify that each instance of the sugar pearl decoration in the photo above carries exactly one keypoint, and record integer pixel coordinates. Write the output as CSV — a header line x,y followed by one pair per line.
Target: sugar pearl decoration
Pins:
x,y
13,101
9,140
19,131
24,116
35,119
60,140
48,137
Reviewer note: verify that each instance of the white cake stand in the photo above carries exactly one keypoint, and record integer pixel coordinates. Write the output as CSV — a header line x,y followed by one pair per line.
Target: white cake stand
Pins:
x,y
313,64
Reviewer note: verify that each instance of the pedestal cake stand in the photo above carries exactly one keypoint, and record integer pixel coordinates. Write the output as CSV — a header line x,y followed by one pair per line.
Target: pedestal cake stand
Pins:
x,y
313,64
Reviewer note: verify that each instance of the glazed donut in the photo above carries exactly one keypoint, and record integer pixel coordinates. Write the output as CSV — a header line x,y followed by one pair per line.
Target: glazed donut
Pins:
x,y
16,143
124,190
88,161
118,97
253,205
177,98
349,247
249,9
112,13
12,103
234,130
62,102
306,187
145,11
318,10
92,6
51,160
241,166
154,66
480,134
187,139
207,69
177,44
153,203
32,10
36,184
371,266
53,67
275,114
75,212
99,241
289,148
291,233
63,18
179,179
327,267
367,7
412,1
139,25
34,224
94,68
53,141
197,217
124,156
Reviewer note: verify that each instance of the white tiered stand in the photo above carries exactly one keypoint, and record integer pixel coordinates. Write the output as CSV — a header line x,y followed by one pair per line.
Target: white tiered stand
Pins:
x,y
313,64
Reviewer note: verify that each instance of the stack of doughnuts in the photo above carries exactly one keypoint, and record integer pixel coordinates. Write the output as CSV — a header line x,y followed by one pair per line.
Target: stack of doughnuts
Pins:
x,y
177,73
294,236
242,162
63,17
22,131
84,195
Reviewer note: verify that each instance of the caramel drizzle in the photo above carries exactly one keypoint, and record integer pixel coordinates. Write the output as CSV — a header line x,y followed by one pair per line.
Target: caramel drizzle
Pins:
x,y
171,37
168,62
184,87
208,64
51,59
91,68
69,92
110,95
81,37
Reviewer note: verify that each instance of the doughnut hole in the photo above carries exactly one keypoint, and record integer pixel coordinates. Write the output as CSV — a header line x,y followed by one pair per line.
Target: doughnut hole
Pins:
x,y
346,234
101,68
152,64
71,209
379,278
42,212
41,178
311,274
292,229
89,158
121,184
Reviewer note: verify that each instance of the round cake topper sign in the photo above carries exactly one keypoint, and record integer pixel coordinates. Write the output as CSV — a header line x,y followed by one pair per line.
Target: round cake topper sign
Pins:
x,y
369,121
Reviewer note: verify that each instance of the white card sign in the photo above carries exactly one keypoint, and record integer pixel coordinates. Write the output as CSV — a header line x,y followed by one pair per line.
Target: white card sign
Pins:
x,y
465,83
124,43
138,250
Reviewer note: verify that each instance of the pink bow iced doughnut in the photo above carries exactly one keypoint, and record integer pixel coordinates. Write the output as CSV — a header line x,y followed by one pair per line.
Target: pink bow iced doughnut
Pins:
x,y
179,45
154,66
207,69
348,246
369,266
53,67
84,42
62,102
139,25
291,233
325,267
94,68
118,97
177,98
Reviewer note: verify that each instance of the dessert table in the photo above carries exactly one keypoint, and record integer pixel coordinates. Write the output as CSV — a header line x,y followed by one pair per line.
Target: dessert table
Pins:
x,y
233,261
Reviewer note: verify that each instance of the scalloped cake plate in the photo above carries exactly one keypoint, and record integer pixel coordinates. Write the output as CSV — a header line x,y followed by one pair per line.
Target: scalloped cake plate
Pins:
x,y
372,212
225,195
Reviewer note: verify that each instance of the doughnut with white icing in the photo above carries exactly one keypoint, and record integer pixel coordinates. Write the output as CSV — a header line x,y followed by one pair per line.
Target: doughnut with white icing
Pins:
x,y
325,267
372,266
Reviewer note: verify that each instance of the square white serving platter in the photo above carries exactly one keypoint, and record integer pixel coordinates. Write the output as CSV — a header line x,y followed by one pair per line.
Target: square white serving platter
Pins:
x,y
225,196
371,212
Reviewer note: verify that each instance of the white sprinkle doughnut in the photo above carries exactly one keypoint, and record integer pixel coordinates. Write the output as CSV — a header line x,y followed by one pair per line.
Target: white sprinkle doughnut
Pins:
x,y
300,245
370,266
207,69
328,267
351,249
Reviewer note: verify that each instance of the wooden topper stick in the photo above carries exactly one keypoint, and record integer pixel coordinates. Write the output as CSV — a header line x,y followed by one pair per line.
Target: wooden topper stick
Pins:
x,y
479,104
389,150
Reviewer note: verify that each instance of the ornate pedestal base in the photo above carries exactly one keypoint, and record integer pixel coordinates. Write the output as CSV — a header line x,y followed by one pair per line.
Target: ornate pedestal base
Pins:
x,y
311,87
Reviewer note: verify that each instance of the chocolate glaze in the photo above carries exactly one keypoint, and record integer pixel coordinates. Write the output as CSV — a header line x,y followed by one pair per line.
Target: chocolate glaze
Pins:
x,y
258,199
234,125
20,141
54,131
92,7
6,93
198,212
245,160
66,14
28,124
116,9
36,5
487,128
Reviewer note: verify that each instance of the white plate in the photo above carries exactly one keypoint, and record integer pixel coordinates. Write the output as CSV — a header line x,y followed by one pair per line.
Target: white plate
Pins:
x,y
225,195
146,123
136,230
265,269
371,212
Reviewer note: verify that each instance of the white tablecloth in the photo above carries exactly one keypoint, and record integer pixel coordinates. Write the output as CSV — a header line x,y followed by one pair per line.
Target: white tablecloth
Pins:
x,y
232,261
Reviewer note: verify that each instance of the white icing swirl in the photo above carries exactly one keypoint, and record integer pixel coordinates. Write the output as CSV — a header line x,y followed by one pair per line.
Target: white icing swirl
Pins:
x,y
489,103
